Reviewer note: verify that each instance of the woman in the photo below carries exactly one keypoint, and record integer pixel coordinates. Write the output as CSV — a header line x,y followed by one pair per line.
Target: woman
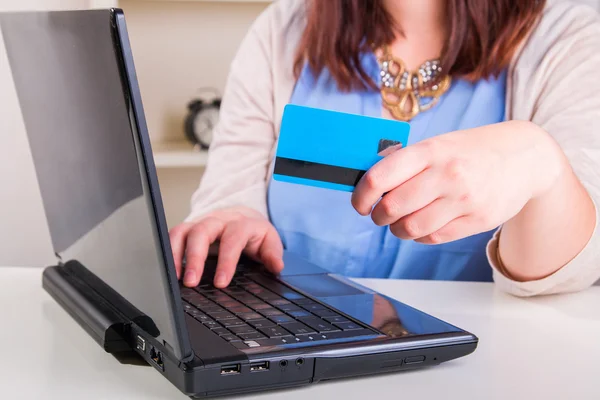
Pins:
x,y
501,175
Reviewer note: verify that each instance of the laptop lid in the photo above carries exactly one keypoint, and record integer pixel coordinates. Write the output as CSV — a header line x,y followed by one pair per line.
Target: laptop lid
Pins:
x,y
77,88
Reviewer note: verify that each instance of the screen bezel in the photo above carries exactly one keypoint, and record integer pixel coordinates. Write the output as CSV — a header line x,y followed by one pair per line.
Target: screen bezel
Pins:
x,y
182,349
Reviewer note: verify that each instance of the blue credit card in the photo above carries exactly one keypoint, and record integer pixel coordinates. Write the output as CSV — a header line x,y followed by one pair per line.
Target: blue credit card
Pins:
x,y
330,149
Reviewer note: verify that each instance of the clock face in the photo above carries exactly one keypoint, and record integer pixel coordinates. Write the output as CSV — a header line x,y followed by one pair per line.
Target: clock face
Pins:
x,y
205,123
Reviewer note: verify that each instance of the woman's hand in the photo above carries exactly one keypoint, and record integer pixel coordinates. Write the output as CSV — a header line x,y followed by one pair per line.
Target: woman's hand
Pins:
x,y
461,183
238,230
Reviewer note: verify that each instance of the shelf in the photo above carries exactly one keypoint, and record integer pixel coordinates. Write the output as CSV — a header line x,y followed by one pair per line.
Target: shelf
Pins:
x,y
208,1
178,155
115,3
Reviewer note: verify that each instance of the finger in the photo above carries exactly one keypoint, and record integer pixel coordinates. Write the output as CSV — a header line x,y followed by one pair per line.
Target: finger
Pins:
x,y
234,240
390,150
202,235
427,220
387,174
456,229
177,237
271,251
413,195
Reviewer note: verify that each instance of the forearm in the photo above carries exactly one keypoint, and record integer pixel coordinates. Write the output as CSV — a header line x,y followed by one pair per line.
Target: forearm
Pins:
x,y
549,231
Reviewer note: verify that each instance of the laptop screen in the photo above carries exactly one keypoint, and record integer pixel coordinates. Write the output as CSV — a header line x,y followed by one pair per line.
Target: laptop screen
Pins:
x,y
87,156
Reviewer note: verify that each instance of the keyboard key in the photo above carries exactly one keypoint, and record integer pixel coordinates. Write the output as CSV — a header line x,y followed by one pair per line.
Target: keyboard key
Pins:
x,y
232,322
231,338
221,316
277,287
298,329
202,317
239,310
262,306
204,305
336,319
221,331
201,302
300,314
211,324
206,289
242,329
234,290
304,301
261,323
271,312
242,268
187,307
231,304
279,302
274,331
251,336
282,319
250,316
222,298
313,307
318,324
347,326
245,297
253,301
256,290
289,307
193,295
324,313
188,293
268,296
210,309
194,312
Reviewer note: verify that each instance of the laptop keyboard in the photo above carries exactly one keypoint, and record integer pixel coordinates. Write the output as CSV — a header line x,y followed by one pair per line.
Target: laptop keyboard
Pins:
x,y
256,311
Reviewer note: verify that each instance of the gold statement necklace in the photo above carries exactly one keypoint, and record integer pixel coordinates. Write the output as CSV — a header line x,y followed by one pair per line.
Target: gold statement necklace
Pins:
x,y
407,93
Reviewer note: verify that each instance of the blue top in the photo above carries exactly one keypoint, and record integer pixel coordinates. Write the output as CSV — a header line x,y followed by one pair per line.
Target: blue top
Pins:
x,y
322,226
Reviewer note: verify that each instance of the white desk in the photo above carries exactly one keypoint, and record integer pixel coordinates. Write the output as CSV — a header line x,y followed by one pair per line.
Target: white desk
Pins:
x,y
545,348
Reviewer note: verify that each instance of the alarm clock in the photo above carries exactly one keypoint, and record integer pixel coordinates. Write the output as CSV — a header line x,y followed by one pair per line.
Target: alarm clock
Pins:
x,y
202,118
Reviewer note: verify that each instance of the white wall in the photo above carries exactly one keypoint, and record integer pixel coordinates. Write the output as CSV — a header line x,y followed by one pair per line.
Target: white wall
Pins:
x,y
180,47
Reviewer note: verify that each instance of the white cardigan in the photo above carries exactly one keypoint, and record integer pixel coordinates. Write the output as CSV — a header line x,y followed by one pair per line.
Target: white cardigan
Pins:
x,y
553,81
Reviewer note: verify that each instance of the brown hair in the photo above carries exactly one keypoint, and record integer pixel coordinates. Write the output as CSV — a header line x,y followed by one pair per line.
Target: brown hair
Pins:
x,y
483,37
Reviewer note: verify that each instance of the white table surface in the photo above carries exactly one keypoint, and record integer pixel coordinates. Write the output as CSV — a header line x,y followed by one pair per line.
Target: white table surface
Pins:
x,y
544,348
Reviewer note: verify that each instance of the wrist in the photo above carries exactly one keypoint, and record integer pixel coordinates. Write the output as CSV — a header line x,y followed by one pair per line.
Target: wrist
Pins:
x,y
549,165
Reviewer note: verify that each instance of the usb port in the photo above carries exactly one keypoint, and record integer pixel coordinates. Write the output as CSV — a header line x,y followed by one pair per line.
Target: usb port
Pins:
x,y
230,369
258,367
140,343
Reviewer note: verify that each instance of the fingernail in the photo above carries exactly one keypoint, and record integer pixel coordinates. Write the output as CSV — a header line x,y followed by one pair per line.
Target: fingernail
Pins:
x,y
220,279
190,278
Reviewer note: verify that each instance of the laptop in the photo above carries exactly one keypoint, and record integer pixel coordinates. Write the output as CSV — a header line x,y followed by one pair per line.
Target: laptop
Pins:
x,y
80,100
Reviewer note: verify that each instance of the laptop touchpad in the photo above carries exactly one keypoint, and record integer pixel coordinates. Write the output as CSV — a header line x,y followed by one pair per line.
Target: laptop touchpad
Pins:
x,y
321,286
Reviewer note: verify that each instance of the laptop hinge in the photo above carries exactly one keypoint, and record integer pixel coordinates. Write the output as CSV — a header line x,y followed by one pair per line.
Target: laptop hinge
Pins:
x,y
59,260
